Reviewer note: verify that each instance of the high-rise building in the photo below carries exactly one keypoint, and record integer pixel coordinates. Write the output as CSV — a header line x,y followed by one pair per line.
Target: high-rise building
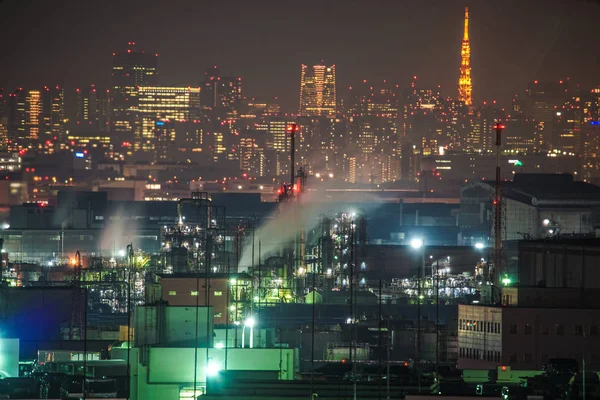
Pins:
x,y
318,91
93,110
543,100
3,119
17,115
33,111
220,93
131,69
170,104
465,86
53,112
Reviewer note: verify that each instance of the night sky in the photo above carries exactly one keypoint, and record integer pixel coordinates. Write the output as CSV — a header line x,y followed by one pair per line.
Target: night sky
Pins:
x,y
70,42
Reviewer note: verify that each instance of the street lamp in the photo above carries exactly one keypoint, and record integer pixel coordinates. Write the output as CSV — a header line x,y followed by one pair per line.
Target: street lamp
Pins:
x,y
479,246
418,244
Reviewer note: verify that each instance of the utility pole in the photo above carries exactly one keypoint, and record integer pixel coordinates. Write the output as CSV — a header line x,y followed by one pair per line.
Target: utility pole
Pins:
x,y
129,268
497,270
379,353
419,282
437,322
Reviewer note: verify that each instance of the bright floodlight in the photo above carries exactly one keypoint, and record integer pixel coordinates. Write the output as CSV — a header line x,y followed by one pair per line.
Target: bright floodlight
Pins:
x,y
416,243
212,369
479,246
219,345
546,222
250,322
121,253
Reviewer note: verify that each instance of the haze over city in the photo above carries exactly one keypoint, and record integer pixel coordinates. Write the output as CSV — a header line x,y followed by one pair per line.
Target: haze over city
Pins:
x,y
297,200
264,42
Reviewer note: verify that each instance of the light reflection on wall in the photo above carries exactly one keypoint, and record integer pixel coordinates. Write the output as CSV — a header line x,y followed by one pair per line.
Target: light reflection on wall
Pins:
x,y
9,358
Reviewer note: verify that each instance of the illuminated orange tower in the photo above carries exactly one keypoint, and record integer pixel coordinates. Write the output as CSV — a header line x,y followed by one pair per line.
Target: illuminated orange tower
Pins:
x,y
465,86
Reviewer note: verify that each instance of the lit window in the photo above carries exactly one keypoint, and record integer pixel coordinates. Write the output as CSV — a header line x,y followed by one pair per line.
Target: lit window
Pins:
x,y
194,293
172,293
218,315
219,293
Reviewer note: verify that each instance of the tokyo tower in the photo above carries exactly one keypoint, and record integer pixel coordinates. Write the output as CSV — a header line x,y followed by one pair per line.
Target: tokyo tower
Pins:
x,y
465,87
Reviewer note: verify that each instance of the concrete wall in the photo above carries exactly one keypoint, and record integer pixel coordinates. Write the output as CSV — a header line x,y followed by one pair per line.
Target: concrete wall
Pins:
x,y
176,365
560,264
542,333
479,336
520,218
184,292
173,326
529,336
9,358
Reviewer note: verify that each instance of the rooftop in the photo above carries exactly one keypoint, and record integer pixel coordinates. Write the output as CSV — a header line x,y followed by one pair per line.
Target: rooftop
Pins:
x,y
548,190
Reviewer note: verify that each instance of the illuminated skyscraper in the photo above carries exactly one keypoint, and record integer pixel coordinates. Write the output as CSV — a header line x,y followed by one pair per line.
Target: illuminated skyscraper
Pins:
x,y
53,111
131,69
3,119
93,109
171,104
465,87
16,114
221,93
33,113
317,91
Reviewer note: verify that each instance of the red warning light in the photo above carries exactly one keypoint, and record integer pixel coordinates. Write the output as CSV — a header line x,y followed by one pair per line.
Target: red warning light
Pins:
x,y
344,361
503,368
291,128
405,364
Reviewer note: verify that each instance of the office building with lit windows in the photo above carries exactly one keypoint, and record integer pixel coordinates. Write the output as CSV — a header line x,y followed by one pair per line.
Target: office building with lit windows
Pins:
x,y
318,91
373,136
35,114
33,111
53,111
131,70
93,110
165,104
221,93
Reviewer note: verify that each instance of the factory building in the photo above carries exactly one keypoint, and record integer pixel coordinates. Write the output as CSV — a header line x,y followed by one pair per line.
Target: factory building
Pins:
x,y
526,337
534,206
174,353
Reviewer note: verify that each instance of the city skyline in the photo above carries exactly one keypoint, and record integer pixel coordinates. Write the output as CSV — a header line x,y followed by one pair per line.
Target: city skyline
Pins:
x,y
376,52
